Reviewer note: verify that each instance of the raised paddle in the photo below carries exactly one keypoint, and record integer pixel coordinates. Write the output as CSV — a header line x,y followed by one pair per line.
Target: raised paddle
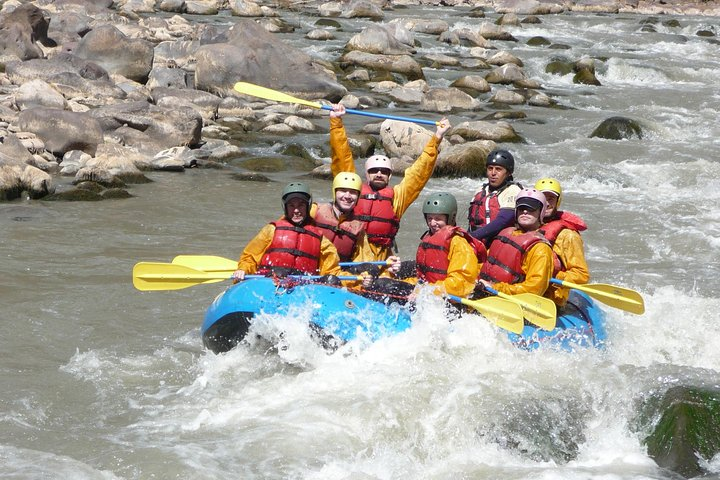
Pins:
x,y
170,276
212,263
269,94
539,311
618,297
503,313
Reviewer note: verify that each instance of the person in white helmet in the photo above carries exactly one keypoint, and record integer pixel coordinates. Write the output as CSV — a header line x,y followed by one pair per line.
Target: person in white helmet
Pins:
x,y
380,206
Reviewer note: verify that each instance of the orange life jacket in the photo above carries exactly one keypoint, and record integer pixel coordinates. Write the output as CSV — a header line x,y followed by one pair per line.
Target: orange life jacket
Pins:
x,y
293,247
431,260
504,262
343,235
375,208
485,206
561,220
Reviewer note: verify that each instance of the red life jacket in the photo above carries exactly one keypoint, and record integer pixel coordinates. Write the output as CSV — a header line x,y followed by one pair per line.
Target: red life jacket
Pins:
x,y
431,260
561,220
375,208
293,247
504,262
484,207
343,235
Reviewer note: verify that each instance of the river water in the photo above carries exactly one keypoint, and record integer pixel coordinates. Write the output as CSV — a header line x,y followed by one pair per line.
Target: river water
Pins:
x,y
101,381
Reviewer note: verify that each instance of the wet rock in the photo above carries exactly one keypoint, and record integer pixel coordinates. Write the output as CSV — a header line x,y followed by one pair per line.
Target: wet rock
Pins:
x,y
585,72
538,41
13,151
167,77
507,97
362,146
245,8
115,193
73,161
495,32
618,128
507,74
508,19
297,150
277,164
328,22
10,180
558,67
74,195
422,25
504,58
250,177
687,435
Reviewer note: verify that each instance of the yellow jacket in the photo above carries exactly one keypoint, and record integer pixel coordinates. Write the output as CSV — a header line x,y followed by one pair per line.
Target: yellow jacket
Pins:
x,y
405,193
537,264
363,251
462,270
570,249
255,249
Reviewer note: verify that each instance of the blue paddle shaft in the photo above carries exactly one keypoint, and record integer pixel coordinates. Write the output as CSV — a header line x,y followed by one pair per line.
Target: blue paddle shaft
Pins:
x,y
421,121
302,277
352,264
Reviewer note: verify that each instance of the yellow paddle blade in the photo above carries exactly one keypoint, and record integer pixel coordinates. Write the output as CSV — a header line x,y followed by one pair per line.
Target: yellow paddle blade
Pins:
x,y
618,297
504,313
168,276
207,263
540,311
269,94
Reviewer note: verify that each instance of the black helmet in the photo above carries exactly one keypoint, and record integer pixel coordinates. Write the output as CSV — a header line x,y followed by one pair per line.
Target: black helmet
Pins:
x,y
502,158
442,203
296,190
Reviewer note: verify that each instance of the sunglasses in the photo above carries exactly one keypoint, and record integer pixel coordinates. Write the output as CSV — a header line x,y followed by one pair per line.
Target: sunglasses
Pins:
x,y
384,171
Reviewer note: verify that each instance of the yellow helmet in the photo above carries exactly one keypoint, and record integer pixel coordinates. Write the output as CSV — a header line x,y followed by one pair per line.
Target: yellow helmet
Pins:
x,y
550,185
348,180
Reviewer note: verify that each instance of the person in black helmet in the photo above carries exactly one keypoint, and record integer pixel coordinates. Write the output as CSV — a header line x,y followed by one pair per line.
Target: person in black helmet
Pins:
x,y
493,207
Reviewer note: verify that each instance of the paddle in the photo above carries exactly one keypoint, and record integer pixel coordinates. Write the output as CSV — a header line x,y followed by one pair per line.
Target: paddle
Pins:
x,y
212,263
618,297
170,276
269,94
539,311
505,314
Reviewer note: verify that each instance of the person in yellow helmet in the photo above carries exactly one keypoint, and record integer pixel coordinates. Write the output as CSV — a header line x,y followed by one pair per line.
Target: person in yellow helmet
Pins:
x,y
380,205
562,229
337,221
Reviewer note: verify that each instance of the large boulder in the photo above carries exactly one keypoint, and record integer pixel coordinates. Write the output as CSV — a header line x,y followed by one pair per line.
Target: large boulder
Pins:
x,y
253,55
403,139
150,127
480,130
403,64
21,28
376,39
61,130
618,128
117,53
687,435
464,159
38,93
443,100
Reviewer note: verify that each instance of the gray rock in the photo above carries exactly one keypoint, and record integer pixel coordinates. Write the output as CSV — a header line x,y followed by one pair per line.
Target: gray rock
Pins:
x,y
618,128
253,55
403,64
62,131
21,28
116,53
376,39
38,93
480,130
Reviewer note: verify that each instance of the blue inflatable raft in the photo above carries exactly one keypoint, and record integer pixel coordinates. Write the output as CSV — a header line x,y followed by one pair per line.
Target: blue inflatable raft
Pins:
x,y
338,316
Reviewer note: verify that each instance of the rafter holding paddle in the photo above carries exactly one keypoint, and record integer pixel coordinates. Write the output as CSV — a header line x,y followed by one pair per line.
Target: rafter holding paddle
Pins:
x,y
274,95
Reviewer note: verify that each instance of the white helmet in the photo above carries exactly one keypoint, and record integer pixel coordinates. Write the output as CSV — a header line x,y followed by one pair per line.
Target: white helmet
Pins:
x,y
378,161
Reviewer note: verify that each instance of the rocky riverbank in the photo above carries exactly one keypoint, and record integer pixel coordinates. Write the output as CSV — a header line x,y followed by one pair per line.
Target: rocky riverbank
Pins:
x,y
94,93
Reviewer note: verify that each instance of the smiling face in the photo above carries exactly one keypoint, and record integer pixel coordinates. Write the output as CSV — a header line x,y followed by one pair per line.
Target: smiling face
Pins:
x,y
345,199
378,178
435,221
497,175
296,210
552,200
